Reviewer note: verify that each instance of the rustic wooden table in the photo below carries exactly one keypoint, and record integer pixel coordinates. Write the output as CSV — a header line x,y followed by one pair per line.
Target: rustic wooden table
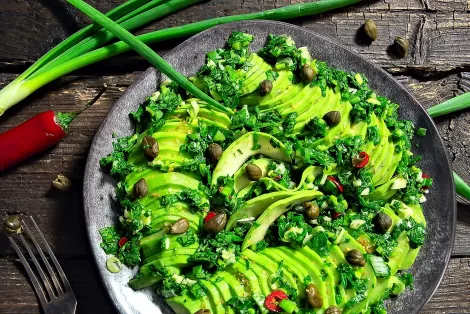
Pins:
x,y
437,68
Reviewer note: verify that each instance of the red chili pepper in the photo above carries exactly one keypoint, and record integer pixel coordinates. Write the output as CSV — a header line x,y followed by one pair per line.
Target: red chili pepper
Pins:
x,y
277,178
209,216
123,241
361,160
273,300
338,185
425,176
35,135
335,215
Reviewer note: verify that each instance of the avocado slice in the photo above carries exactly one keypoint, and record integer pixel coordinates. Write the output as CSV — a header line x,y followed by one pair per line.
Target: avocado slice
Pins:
x,y
172,243
418,216
301,102
175,261
289,267
258,230
186,304
227,285
169,253
283,89
269,266
213,296
315,261
159,180
149,280
383,163
318,108
158,223
241,149
380,150
263,276
240,178
248,276
255,206
313,264
384,192
390,167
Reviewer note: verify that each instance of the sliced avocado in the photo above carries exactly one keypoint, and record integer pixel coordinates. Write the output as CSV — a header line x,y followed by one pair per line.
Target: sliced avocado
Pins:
x,y
263,276
391,167
161,222
380,150
384,192
300,103
172,243
318,108
382,165
255,75
175,261
241,149
369,146
157,180
259,228
289,267
186,304
227,285
247,275
240,178
149,280
270,266
313,264
180,127
410,257
213,296
255,206
220,118
169,253
280,85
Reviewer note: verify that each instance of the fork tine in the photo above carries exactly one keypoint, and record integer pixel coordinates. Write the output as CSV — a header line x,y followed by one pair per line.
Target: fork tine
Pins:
x,y
61,273
45,280
51,272
32,276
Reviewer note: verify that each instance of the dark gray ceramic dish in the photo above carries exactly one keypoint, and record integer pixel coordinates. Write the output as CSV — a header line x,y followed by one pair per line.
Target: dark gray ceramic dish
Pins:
x,y
440,209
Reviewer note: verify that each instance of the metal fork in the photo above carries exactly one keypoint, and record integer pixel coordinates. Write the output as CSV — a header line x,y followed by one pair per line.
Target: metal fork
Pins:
x,y
57,298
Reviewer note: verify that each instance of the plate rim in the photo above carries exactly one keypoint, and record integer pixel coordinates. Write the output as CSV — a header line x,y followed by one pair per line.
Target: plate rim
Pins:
x,y
88,169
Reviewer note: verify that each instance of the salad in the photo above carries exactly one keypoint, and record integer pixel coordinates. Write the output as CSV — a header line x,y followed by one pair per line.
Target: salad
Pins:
x,y
302,196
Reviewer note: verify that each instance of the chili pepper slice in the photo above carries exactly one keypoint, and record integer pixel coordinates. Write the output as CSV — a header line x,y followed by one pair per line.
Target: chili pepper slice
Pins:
x,y
35,135
335,215
361,160
425,176
273,300
209,216
123,241
338,185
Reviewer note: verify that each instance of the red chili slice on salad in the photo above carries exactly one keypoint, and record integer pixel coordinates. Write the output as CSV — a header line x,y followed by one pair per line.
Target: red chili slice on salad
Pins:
x,y
425,176
273,300
209,216
338,185
361,160
335,215
123,241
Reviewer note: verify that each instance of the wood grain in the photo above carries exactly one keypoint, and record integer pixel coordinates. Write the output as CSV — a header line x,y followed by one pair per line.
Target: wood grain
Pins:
x,y
436,68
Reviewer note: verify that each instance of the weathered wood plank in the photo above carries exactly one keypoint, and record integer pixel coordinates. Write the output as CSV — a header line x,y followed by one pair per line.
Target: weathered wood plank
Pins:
x,y
439,31
19,298
18,295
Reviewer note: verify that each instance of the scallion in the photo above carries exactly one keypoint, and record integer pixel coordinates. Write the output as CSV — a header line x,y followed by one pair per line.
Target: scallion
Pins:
x,y
454,104
461,187
22,87
146,52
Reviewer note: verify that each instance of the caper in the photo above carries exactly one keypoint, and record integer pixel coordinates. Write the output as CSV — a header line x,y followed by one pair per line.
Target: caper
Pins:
x,y
141,188
203,311
62,183
371,30
180,227
13,224
151,148
213,152
382,222
332,118
355,258
333,310
216,224
401,46
312,211
314,297
265,87
307,74
253,172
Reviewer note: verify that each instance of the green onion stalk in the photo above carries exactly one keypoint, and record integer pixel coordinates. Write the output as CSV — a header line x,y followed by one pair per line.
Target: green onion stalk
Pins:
x,y
23,86
130,15
454,104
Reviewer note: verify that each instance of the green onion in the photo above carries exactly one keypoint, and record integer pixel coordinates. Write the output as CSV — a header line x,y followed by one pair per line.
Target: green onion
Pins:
x,y
151,11
21,88
379,266
454,104
461,187
146,52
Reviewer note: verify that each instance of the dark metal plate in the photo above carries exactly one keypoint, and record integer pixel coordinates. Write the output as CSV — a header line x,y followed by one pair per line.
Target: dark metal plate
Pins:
x,y
440,208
